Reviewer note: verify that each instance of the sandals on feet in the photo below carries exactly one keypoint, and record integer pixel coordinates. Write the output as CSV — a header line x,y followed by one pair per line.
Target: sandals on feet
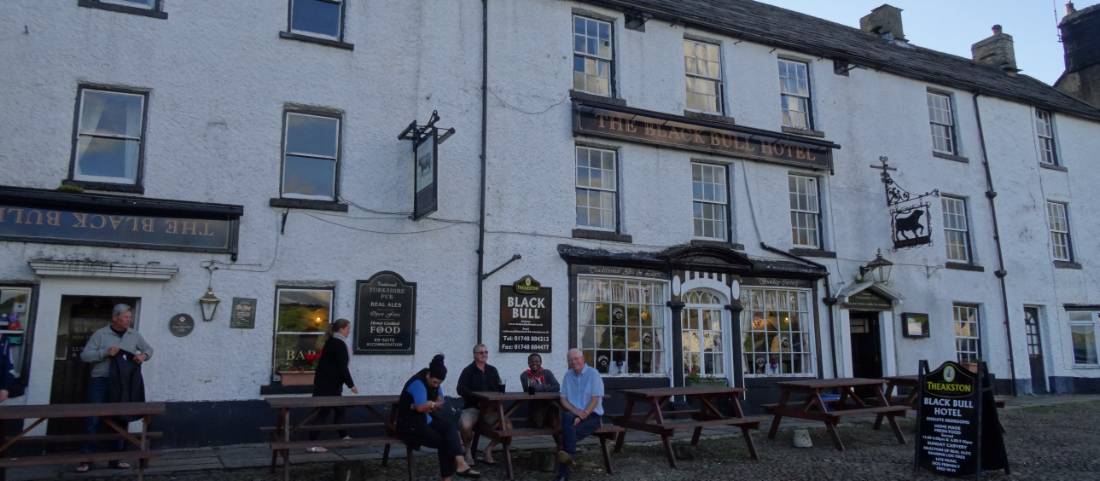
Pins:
x,y
83,467
120,465
469,473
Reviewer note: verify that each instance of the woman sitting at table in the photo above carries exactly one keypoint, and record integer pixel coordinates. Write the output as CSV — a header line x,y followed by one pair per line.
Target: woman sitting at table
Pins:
x,y
331,376
538,379
418,426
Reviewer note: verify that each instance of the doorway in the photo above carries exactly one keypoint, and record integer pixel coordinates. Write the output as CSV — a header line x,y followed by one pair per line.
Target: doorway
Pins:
x,y
80,316
866,346
1035,350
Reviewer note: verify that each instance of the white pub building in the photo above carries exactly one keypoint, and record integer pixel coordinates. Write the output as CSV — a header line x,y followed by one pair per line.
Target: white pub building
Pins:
x,y
689,191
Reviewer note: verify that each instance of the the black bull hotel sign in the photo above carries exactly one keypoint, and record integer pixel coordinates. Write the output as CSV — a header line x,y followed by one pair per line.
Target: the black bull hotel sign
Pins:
x,y
656,128
525,317
958,433
385,315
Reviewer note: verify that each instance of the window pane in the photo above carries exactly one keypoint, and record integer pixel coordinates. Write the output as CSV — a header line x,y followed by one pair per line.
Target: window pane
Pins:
x,y
311,135
297,352
148,4
772,334
302,310
1084,344
109,158
111,113
619,312
309,177
316,16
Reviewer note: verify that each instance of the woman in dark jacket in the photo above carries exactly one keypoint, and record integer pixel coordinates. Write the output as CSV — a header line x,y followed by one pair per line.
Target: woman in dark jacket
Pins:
x,y
418,426
332,375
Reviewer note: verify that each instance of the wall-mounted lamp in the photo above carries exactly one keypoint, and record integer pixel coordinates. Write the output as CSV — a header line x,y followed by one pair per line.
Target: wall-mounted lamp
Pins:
x,y
879,269
208,303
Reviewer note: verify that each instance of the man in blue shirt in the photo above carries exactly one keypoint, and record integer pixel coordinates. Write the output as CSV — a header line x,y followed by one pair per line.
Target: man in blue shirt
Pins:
x,y
582,406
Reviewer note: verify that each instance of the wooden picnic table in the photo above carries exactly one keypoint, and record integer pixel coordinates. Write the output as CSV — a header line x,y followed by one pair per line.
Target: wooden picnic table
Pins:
x,y
706,415
849,403
282,432
107,412
507,404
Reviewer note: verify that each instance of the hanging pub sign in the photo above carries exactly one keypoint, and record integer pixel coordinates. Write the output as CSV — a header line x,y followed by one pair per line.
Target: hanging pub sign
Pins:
x,y
385,315
958,433
525,316
910,217
426,140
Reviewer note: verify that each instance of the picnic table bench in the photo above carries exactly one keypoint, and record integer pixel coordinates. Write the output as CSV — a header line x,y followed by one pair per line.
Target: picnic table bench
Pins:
x,y
282,433
814,407
107,412
507,404
658,421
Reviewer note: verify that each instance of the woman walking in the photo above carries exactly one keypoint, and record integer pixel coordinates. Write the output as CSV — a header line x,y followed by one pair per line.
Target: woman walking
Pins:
x,y
332,375
421,397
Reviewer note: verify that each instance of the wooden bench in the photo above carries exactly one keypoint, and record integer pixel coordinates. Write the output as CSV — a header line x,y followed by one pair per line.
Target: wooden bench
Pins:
x,y
819,404
107,412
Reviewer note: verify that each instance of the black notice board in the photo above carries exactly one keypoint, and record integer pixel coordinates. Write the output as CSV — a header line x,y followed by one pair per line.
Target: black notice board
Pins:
x,y
958,433
525,317
385,315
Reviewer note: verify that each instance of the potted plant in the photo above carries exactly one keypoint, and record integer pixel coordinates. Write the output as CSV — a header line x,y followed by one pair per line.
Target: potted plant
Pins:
x,y
300,373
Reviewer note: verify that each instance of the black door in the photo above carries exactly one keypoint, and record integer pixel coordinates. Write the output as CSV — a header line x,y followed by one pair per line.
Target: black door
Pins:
x,y
866,350
1035,350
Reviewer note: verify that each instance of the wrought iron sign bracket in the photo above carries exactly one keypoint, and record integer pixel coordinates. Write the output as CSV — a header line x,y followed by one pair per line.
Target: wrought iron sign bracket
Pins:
x,y
906,210
418,133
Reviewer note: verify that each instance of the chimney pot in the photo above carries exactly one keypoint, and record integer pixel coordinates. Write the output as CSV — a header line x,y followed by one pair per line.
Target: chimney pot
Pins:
x,y
997,29
996,51
1070,8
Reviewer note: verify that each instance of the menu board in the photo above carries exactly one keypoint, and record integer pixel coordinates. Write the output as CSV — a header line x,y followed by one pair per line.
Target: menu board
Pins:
x,y
959,434
385,315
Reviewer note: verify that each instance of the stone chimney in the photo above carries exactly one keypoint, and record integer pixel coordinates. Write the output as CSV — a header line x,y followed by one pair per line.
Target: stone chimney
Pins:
x,y
1081,40
884,21
996,51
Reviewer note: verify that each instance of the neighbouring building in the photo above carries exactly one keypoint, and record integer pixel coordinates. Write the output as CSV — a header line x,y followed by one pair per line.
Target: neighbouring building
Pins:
x,y
688,191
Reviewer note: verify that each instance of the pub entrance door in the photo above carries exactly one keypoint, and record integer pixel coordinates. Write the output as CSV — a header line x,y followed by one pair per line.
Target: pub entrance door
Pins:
x,y
80,317
1035,350
866,345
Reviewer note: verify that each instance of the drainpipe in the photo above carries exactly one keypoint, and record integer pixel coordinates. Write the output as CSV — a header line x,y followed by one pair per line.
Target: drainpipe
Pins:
x,y
484,141
990,194
829,300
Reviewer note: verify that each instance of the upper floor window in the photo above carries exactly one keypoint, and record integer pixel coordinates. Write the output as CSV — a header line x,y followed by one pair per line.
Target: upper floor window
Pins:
x,y
942,119
709,200
597,188
703,68
1044,124
805,211
148,8
593,56
311,153
110,130
1058,220
318,18
794,94
956,229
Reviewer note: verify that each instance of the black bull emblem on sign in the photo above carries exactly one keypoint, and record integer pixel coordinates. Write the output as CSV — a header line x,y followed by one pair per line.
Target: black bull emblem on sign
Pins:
x,y
911,226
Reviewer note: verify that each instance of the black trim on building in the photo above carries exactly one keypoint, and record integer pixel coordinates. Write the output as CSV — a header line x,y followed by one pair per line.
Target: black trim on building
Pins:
x,y
155,12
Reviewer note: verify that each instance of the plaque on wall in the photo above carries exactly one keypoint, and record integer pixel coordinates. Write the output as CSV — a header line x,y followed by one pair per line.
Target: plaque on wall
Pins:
x,y
525,316
914,324
244,313
385,315
181,324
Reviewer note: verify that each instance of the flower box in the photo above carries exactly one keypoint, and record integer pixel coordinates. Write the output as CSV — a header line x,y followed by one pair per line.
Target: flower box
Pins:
x,y
296,378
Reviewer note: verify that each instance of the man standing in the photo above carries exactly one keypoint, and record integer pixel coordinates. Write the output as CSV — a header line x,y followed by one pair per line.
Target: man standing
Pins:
x,y
582,407
105,344
478,376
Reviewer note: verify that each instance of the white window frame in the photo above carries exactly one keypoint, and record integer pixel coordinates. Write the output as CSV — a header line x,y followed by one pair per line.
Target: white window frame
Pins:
x,y
805,210
721,201
602,189
693,303
718,107
968,333
945,121
751,331
1044,132
659,295
594,58
334,158
1086,324
339,24
1061,240
80,132
954,212
275,325
784,93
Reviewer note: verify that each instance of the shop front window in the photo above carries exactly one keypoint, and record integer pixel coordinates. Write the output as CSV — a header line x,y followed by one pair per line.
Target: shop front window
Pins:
x,y
302,317
621,324
15,310
775,327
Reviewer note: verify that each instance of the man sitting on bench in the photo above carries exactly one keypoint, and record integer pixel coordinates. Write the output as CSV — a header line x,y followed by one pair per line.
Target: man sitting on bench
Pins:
x,y
581,386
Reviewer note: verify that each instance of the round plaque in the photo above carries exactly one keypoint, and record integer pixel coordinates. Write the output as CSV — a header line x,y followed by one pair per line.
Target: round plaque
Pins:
x,y
181,324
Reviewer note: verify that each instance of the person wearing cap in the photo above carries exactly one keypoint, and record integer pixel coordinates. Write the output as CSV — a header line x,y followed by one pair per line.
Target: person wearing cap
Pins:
x,y
419,422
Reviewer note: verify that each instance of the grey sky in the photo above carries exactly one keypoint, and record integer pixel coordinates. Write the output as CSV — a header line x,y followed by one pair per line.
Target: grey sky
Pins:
x,y
951,26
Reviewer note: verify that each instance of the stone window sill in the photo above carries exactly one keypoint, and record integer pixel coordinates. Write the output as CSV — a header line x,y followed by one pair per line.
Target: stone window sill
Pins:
x,y
309,204
1067,265
602,235
316,40
803,252
144,12
956,158
1057,167
578,95
710,117
804,132
962,266
106,186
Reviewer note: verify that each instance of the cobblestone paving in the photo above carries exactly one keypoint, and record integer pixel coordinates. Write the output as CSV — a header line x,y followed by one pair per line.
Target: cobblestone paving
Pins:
x,y
1056,442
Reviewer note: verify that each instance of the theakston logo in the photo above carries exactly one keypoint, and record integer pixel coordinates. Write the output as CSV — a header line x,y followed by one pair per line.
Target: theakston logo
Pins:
x,y
949,374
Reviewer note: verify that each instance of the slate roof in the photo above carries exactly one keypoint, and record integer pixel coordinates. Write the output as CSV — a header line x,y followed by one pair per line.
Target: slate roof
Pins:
x,y
779,27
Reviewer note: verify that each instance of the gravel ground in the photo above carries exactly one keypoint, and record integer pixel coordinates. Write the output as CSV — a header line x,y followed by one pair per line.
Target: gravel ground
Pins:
x,y
1056,442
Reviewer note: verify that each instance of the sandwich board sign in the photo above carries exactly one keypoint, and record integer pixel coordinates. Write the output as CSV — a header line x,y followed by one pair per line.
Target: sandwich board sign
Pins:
x,y
958,433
